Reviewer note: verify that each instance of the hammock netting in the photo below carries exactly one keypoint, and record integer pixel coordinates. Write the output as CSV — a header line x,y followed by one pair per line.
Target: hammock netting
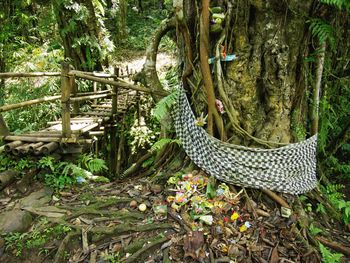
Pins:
x,y
289,169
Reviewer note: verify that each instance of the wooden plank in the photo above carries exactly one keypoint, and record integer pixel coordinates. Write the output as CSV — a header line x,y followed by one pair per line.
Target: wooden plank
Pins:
x,y
101,106
81,119
89,127
96,113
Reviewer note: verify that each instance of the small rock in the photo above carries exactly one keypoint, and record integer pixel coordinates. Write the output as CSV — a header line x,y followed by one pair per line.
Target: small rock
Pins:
x,y
133,204
15,221
156,188
36,199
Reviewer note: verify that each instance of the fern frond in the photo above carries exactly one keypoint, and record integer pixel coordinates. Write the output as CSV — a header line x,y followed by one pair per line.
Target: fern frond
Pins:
x,y
97,165
323,31
338,3
163,106
162,142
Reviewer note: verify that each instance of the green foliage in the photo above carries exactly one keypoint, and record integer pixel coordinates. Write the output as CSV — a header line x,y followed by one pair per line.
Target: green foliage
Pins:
x,y
32,58
65,174
36,238
338,3
141,27
321,209
163,107
6,163
337,200
314,230
323,31
328,256
162,142
94,165
112,258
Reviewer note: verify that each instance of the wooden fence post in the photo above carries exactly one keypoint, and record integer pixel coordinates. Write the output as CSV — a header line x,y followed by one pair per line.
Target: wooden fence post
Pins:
x,y
65,100
74,86
3,127
113,134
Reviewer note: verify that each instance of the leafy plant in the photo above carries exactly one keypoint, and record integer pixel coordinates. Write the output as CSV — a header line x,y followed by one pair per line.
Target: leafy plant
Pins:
x,y
328,256
323,31
94,165
338,3
164,105
35,238
337,199
314,230
162,142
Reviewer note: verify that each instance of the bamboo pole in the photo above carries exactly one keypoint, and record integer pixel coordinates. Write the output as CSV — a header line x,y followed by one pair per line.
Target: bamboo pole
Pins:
x,y
4,130
119,84
20,149
46,148
95,91
74,86
30,74
90,97
47,99
28,103
100,74
44,139
317,89
101,106
66,89
11,145
33,146
113,135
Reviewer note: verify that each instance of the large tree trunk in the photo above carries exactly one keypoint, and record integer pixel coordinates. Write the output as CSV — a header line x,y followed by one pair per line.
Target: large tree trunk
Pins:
x,y
80,36
259,89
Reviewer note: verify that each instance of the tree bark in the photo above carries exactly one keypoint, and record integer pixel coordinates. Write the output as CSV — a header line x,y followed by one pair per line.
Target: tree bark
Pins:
x,y
270,40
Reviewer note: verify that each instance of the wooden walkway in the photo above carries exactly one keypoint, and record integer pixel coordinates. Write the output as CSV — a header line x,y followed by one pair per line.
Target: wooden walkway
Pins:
x,y
75,129
85,128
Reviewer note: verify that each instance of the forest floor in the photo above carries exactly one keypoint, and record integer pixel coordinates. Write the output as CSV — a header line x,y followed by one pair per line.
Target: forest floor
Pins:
x,y
187,219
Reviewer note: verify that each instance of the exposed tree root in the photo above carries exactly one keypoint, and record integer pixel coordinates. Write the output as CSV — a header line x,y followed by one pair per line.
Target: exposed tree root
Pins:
x,y
104,232
334,245
59,257
151,244
276,198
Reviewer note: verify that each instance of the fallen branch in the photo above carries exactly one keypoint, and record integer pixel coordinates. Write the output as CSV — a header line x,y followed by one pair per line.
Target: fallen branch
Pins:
x,y
334,245
276,198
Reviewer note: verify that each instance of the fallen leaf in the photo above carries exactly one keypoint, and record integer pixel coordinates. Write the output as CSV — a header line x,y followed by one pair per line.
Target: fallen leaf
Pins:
x,y
274,256
193,243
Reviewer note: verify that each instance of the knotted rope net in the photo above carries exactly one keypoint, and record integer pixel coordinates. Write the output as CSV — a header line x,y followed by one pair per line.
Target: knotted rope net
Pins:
x,y
290,169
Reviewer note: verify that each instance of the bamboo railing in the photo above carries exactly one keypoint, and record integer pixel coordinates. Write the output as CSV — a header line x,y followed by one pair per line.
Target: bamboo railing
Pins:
x,y
70,96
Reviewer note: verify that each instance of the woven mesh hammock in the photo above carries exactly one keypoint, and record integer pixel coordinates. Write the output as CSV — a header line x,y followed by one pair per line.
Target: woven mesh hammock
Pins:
x,y
290,169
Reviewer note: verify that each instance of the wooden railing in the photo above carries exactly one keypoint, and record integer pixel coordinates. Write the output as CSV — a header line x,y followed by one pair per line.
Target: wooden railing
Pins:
x,y
70,95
